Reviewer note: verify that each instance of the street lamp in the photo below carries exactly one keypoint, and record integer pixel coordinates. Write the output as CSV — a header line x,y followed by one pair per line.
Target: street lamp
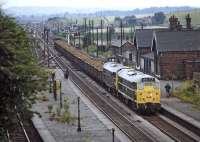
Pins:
x,y
79,123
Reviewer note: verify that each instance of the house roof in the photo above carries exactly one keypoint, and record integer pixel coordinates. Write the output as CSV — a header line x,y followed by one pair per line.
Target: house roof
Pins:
x,y
117,43
128,44
144,37
178,40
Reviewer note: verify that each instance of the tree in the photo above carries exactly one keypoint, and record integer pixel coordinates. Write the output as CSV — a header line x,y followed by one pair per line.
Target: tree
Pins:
x,y
86,40
20,76
158,18
117,21
130,20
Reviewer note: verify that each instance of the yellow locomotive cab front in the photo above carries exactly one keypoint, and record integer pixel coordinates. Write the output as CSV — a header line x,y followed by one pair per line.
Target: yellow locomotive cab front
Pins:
x,y
148,97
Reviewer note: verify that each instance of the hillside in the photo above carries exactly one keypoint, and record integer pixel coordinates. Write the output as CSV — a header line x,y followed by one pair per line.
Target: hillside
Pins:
x,y
90,12
195,15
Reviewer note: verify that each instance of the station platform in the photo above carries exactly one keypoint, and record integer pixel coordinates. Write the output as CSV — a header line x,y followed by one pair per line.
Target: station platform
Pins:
x,y
92,128
181,109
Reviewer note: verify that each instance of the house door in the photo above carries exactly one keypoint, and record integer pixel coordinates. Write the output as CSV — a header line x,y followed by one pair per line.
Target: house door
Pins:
x,y
130,57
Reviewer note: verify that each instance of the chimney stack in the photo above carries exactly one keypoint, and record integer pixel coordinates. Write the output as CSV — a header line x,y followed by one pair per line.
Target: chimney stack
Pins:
x,y
188,21
174,24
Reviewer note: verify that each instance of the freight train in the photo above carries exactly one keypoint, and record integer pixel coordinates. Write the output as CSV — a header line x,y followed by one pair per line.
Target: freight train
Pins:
x,y
140,91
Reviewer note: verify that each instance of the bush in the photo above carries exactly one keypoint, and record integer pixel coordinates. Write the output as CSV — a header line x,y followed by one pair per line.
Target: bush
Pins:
x,y
186,92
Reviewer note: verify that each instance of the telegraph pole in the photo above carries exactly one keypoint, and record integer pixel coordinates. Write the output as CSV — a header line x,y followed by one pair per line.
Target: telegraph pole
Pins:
x,y
101,32
110,36
47,32
44,39
79,39
85,20
123,31
131,33
97,42
74,39
93,31
89,32
107,35
121,37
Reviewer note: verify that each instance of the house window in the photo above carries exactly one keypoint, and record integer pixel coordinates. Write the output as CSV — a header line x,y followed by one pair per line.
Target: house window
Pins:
x,y
142,63
130,57
152,67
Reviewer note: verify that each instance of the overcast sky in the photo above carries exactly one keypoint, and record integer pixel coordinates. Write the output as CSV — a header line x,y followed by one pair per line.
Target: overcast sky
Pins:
x,y
107,4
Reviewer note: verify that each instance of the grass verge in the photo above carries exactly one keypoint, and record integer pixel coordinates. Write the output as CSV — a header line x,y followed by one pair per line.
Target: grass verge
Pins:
x,y
187,93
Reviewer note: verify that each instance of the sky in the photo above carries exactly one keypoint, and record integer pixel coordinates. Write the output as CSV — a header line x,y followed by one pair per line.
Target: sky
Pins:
x,y
106,4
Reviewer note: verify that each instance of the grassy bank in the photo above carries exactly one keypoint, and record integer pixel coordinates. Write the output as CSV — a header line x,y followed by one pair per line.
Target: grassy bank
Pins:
x,y
187,93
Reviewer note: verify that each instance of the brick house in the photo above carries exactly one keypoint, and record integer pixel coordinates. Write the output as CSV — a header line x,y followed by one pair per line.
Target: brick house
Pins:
x,y
174,54
129,51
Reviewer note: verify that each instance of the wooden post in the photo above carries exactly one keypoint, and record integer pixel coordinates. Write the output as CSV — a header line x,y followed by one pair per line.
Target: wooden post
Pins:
x,y
54,90
61,94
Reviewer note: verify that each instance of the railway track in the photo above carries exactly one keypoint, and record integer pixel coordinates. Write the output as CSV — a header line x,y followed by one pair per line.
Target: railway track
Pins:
x,y
123,123
23,132
168,129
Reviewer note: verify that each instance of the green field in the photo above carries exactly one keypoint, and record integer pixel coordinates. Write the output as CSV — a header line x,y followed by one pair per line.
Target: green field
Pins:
x,y
195,15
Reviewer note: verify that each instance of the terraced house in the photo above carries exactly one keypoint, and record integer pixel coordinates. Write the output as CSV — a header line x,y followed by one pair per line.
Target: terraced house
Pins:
x,y
175,53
